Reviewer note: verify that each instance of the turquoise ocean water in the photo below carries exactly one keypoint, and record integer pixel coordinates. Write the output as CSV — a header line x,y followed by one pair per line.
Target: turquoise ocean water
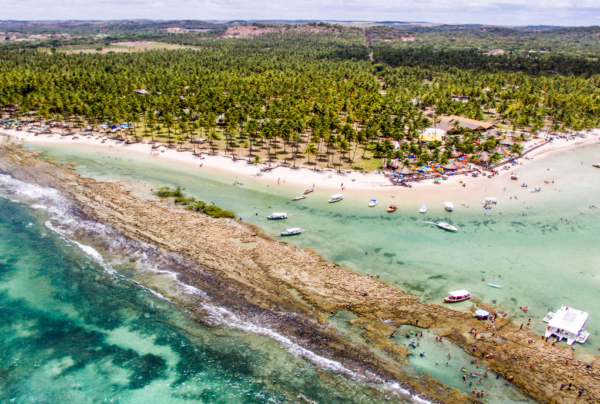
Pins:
x,y
76,329
540,260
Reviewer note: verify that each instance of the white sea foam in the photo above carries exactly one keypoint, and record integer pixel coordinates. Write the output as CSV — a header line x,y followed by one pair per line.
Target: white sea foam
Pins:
x,y
60,209
90,251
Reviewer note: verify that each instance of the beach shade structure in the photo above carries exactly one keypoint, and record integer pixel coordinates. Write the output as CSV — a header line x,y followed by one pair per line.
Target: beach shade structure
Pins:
x,y
450,166
507,142
482,314
395,164
405,171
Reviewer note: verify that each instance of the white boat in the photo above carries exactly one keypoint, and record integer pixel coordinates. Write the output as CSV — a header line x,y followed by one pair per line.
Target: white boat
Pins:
x,y
568,323
446,226
596,165
449,206
299,198
373,203
423,209
457,296
336,198
494,286
277,216
292,231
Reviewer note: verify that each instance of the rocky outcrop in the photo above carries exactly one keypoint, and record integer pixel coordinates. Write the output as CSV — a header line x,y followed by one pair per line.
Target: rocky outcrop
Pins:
x,y
297,290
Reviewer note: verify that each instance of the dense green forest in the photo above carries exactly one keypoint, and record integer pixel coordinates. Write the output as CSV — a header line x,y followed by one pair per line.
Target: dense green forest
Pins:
x,y
317,91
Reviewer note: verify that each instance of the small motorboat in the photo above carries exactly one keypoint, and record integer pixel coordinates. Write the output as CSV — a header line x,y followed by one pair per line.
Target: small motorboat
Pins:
x,y
446,226
299,198
392,208
278,216
596,165
336,198
423,209
494,286
373,202
308,191
291,232
457,296
449,206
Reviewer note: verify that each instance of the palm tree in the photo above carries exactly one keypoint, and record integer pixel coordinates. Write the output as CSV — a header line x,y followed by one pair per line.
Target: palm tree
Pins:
x,y
310,150
168,121
257,161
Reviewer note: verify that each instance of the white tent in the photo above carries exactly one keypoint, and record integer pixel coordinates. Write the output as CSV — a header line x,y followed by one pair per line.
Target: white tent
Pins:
x,y
567,323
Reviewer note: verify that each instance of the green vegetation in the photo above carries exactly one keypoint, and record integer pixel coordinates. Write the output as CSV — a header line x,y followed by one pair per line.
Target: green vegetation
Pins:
x,y
316,94
192,203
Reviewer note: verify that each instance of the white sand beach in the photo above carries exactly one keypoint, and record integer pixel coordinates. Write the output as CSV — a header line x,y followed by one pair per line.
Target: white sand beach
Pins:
x,y
304,176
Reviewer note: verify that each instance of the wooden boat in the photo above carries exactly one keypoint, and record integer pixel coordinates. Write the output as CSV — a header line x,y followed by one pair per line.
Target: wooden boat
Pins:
x,y
291,232
446,226
298,198
278,216
457,296
336,198
392,208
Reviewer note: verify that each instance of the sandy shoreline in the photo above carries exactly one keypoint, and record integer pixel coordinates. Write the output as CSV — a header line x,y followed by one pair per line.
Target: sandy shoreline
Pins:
x,y
269,274
304,177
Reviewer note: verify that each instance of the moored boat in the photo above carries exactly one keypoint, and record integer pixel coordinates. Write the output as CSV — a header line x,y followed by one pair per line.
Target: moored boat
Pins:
x,y
457,296
299,198
449,206
494,286
596,165
277,216
336,198
568,324
392,208
373,203
423,209
291,232
446,226
308,191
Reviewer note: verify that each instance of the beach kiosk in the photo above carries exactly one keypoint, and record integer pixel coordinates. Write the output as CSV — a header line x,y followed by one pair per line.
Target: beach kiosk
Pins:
x,y
568,323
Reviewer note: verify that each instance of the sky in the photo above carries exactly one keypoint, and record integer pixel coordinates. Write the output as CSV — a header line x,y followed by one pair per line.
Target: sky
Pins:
x,y
495,12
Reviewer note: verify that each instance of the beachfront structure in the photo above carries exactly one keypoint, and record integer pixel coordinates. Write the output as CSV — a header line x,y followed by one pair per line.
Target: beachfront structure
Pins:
x,y
450,123
431,134
568,323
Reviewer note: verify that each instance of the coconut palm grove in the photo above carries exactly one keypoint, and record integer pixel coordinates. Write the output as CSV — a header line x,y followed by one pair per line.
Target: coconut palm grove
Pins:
x,y
314,93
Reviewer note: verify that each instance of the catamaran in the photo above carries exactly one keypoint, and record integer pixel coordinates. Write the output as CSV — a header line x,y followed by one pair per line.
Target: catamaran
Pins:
x,y
336,198
449,206
567,323
373,203
277,216
458,296
446,226
292,231
423,209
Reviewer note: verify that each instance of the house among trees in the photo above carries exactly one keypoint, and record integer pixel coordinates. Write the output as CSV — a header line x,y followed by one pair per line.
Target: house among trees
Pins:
x,y
450,123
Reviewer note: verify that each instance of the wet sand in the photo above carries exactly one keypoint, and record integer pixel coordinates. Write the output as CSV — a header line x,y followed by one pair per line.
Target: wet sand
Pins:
x,y
297,289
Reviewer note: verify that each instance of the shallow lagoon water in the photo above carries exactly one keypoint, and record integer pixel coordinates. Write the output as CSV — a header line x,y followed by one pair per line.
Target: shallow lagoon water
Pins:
x,y
540,261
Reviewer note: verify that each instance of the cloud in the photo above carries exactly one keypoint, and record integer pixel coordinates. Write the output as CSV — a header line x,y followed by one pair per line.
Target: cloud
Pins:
x,y
507,12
